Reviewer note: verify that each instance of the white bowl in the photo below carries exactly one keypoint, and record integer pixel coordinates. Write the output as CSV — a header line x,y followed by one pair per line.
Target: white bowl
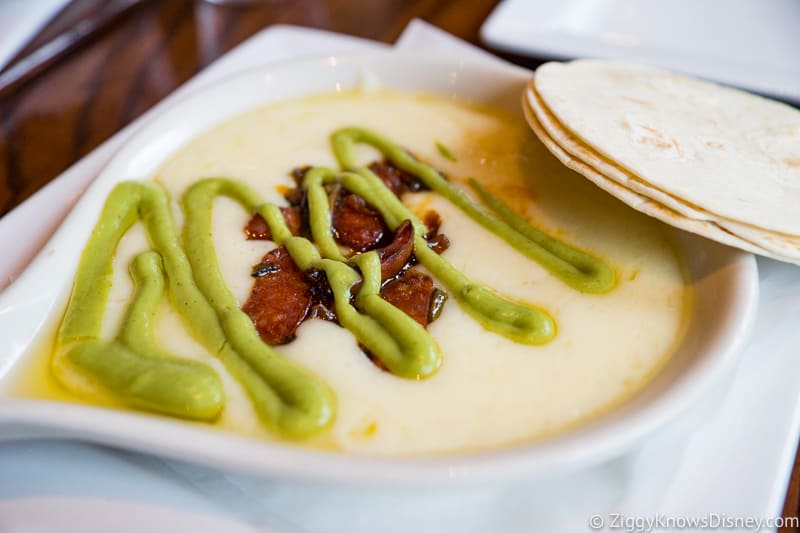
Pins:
x,y
725,283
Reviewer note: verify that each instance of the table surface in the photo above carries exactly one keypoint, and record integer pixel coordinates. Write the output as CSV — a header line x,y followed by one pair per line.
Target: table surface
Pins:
x,y
54,120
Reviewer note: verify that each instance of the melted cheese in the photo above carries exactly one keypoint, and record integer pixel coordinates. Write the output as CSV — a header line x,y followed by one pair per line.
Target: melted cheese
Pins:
x,y
489,391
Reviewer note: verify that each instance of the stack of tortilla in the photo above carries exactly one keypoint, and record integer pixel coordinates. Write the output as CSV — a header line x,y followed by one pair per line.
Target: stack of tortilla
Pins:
x,y
708,159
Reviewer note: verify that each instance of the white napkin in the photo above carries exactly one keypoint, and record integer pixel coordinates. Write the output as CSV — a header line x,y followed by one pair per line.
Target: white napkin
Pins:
x,y
20,20
720,458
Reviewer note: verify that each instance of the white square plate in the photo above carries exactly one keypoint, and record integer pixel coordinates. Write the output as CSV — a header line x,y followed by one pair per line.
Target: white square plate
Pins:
x,y
753,44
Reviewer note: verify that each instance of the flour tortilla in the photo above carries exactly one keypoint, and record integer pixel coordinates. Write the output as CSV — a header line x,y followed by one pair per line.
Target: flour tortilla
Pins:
x,y
648,206
724,152
579,150
777,243
772,244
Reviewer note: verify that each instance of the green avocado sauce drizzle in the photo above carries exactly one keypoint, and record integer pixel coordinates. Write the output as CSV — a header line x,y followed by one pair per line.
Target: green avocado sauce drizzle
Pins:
x,y
286,398
577,269
395,338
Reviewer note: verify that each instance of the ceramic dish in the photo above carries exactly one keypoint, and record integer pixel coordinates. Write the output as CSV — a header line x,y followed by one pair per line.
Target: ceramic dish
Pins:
x,y
749,44
724,283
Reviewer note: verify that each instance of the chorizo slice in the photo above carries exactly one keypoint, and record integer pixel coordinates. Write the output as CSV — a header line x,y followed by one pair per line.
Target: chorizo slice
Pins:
x,y
257,228
398,181
280,298
356,224
413,293
396,256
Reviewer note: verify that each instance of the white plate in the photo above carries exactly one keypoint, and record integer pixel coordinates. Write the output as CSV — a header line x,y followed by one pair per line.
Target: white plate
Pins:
x,y
725,285
752,44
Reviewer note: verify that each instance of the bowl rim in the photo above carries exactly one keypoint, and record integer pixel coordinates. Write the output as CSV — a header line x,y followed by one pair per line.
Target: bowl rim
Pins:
x,y
589,443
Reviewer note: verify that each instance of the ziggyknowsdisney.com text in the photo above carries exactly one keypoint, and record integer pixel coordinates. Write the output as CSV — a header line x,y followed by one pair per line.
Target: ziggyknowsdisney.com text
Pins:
x,y
711,521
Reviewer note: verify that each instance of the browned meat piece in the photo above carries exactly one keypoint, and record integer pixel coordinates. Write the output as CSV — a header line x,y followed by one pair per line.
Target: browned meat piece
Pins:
x,y
296,196
438,242
258,230
396,256
299,173
280,299
293,219
391,175
356,224
433,221
322,296
412,292
398,181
